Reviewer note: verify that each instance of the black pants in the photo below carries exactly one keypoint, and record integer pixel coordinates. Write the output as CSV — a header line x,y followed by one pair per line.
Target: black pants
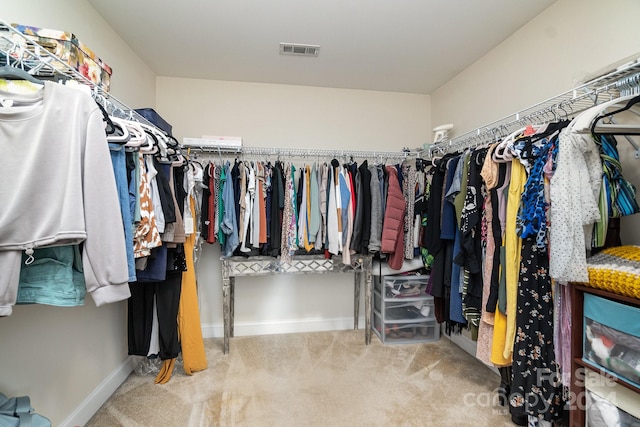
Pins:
x,y
140,320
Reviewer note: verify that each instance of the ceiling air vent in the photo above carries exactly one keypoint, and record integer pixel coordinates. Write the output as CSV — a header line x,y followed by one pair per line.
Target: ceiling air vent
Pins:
x,y
299,49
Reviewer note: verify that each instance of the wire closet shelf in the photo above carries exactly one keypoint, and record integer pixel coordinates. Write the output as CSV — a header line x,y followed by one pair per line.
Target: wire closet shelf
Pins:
x,y
204,145
624,80
18,50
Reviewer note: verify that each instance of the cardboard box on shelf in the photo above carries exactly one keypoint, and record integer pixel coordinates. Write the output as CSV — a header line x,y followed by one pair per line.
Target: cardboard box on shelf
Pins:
x,y
71,51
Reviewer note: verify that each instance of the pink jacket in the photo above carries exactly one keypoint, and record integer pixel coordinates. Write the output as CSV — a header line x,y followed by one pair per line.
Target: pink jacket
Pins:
x,y
393,224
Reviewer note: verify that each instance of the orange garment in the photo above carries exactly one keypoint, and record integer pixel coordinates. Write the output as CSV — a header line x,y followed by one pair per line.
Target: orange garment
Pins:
x,y
164,375
189,328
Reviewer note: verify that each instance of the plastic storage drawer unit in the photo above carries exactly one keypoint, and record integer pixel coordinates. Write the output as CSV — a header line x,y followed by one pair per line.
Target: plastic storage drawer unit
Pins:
x,y
402,311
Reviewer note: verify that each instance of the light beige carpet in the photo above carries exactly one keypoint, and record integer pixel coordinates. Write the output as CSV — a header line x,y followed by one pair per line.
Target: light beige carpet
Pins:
x,y
315,379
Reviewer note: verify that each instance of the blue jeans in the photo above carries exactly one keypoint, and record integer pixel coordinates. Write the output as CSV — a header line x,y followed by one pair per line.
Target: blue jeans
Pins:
x,y
118,161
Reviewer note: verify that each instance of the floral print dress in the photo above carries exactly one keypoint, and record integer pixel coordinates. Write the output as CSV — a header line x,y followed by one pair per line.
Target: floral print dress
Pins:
x,y
537,389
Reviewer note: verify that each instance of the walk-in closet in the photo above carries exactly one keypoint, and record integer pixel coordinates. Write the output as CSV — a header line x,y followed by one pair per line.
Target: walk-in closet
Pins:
x,y
319,213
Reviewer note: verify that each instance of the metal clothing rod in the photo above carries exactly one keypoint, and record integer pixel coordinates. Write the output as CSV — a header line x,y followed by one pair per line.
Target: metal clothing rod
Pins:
x,y
20,51
623,80
303,153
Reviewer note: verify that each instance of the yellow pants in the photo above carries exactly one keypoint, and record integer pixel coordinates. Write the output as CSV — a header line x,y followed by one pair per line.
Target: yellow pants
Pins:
x,y
189,328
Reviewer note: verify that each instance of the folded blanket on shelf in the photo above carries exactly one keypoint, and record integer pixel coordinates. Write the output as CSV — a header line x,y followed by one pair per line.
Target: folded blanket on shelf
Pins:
x,y
616,270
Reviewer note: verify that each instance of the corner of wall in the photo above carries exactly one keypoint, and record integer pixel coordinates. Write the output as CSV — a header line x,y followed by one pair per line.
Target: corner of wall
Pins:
x,y
90,405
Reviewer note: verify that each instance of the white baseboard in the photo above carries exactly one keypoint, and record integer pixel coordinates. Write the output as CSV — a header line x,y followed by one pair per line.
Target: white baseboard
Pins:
x,y
465,342
90,405
282,327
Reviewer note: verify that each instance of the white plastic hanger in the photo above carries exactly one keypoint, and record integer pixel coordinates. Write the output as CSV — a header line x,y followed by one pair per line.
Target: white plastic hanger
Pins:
x,y
122,126
159,139
138,137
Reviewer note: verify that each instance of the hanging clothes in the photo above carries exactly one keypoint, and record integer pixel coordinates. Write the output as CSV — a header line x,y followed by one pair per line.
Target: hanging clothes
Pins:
x,y
277,208
499,343
513,247
471,243
409,192
190,329
119,163
575,189
247,196
377,213
289,236
346,193
393,230
304,214
87,211
536,388
262,206
433,243
364,209
334,208
334,235
487,318
257,203
321,236
313,208
146,299
146,236
228,223
455,196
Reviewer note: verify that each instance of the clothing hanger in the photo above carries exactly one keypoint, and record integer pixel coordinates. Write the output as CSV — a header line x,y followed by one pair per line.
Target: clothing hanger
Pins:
x,y
151,147
583,122
219,155
616,129
13,72
179,159
162,141
172,142
502,152
158,138
109,126
138,137
549,129
120,134
9,72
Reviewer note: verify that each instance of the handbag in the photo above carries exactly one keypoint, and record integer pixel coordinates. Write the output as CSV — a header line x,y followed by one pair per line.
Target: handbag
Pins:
x,y
17,412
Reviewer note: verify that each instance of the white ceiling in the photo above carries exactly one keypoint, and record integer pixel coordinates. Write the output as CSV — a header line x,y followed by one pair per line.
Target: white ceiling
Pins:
x,y
410,46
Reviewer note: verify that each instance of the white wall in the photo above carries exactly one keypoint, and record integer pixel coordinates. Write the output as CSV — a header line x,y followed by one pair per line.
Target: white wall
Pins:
x,y
549,55
60,356
132,82
269,115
